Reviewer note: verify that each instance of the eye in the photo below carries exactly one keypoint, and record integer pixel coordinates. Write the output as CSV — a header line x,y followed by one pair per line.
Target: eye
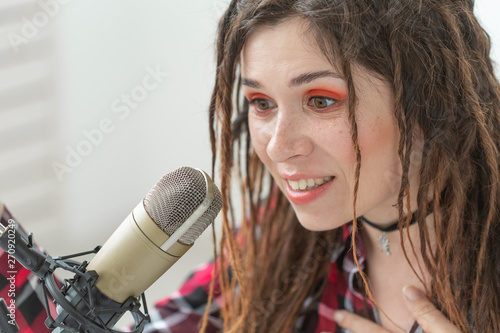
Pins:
x,y
321,102
262,104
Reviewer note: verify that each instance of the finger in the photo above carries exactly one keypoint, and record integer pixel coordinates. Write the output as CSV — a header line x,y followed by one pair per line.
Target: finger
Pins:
x,y
425,313
356,323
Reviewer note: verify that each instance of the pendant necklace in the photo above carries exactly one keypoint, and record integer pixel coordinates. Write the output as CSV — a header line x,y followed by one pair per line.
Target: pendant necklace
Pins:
x,y
383,241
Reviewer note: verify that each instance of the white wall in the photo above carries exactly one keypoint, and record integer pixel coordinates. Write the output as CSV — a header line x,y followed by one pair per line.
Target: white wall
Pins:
x,y
107,49
103,49
487,12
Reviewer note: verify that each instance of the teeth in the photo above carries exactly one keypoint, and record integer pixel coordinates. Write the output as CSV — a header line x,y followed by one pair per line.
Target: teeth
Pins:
x,y
319,181
308,184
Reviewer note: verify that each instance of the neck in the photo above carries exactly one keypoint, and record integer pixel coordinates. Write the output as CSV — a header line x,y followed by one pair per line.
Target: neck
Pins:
x,y
388,274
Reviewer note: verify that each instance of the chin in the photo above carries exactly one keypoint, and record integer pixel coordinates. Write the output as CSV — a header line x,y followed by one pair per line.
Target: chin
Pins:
x,y
319,224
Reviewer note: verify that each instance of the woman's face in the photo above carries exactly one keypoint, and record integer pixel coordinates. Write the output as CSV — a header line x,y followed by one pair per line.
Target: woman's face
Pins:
x,y
299,127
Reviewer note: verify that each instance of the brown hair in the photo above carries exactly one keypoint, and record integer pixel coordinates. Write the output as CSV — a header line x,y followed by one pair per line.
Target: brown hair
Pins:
x,y
435,56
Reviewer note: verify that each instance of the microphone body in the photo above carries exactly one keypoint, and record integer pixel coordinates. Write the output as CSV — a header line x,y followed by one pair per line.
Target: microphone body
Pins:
x,y
151,239
131,259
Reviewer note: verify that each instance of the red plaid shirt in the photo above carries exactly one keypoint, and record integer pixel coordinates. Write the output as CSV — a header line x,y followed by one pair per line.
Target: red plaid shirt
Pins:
x,y
182,311
21,288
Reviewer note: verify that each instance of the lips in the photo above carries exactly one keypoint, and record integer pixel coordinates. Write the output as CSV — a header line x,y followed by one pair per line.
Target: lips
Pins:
x,y
306,190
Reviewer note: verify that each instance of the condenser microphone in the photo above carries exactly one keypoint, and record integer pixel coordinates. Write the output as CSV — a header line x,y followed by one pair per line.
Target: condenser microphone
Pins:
x,y
157,233
160,229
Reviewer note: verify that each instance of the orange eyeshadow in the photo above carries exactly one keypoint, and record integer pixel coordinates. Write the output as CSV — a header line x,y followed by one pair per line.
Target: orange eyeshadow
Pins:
x,y
328,93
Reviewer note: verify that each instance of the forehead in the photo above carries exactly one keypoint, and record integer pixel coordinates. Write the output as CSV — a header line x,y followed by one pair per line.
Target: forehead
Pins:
x,y
287,46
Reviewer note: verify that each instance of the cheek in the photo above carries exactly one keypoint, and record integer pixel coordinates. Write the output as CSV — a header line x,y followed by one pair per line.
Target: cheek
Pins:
x,y
381,167
340,144
260,138
380,141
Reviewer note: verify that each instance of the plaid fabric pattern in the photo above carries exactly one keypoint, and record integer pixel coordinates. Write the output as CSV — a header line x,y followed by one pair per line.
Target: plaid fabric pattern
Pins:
x,y
183,311
21,288
343,289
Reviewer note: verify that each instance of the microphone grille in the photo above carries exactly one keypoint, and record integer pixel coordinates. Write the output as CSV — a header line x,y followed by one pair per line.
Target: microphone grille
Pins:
x,y
176,196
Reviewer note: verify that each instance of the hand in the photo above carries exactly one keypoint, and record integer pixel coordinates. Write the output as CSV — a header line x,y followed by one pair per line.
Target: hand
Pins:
x,y
424,312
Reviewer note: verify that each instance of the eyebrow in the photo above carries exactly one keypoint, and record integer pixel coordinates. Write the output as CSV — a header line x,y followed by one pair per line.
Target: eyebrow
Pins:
x,y
311,76
297,81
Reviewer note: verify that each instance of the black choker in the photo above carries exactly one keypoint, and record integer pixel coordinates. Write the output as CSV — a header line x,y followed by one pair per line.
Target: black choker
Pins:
x,y
382,239
390,228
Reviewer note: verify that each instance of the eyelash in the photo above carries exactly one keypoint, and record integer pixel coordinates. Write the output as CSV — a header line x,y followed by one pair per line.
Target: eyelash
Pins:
x,y
330,103
255,101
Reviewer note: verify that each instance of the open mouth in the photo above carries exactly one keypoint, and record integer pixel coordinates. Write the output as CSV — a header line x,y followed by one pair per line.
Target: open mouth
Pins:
x,y
308,184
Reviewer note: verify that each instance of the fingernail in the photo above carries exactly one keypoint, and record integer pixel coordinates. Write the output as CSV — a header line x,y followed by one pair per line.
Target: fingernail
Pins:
x,y
411,293
338,316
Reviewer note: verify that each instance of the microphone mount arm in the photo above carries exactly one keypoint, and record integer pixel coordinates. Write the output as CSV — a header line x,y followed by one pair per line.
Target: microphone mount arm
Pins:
x,y
81,307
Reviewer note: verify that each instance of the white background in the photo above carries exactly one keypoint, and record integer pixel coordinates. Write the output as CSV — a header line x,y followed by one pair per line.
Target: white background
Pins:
x,y
103,50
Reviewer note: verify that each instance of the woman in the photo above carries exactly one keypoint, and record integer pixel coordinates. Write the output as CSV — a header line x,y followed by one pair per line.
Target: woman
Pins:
x,y
363,135
346,121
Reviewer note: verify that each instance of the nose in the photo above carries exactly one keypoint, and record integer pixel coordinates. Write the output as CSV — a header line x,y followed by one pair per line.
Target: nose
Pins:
x,y
290,137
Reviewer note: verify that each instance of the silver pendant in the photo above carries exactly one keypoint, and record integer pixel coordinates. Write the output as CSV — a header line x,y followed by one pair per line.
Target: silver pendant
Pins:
x,y
383,243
